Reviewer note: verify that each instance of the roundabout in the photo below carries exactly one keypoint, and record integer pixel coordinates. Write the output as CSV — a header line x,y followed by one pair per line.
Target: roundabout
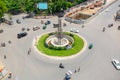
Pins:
x,y
94,63
78,47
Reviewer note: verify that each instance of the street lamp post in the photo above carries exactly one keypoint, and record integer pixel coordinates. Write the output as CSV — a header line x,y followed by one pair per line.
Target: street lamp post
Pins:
x,y
51,11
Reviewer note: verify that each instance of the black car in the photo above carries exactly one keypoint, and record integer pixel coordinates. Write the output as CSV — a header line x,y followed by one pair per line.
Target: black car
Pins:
x,y
47,22
20,35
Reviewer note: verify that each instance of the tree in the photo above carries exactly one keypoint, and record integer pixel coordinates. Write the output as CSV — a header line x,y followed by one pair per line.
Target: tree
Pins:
x,y
54,6
13,6
3,9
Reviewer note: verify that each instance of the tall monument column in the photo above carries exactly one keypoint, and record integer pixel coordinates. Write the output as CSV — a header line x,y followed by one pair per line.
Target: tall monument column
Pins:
x,y
59,33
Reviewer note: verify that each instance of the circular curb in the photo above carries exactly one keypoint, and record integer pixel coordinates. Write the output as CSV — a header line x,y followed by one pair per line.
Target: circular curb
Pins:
x,y
35,40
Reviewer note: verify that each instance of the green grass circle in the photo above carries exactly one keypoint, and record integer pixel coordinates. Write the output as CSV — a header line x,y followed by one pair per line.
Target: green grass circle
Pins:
x,y
77,47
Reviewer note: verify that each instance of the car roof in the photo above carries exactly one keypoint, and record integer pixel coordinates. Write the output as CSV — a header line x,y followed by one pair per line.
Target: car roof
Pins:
x,y
116,61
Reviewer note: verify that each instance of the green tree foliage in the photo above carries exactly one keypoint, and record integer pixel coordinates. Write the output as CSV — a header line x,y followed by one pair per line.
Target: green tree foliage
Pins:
x,y
3,9
60,5
54,6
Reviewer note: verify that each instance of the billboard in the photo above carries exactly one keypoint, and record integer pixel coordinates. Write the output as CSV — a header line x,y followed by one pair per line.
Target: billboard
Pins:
x,y
42,5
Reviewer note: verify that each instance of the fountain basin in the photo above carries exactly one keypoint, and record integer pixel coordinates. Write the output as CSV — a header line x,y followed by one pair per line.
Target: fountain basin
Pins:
x,y
65,41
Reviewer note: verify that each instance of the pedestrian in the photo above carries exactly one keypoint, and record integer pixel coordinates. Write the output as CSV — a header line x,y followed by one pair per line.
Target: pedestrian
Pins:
x,y
103,29
82,26
9,41
75,71
78,69
5,57
23,29
28,29
29,51
3,44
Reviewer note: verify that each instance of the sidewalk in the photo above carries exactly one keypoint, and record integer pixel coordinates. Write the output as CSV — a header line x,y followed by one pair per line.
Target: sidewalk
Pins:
x,y
3,72
1,65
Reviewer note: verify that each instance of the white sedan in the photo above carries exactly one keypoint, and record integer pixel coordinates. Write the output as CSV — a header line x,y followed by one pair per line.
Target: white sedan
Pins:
x,y
116,63
74,30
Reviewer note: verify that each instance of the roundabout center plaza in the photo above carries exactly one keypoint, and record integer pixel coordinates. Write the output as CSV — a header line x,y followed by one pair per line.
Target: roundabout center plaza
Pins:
x,y
55,41
61,52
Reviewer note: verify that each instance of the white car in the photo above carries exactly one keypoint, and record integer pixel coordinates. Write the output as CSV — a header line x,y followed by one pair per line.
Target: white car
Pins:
x,y
116,63
74,30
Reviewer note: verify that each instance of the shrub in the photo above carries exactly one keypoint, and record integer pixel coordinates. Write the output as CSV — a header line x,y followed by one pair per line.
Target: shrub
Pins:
x,y
71,35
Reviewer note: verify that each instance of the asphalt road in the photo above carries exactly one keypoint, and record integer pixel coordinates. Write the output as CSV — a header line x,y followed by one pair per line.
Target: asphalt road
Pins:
x,y
95,64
